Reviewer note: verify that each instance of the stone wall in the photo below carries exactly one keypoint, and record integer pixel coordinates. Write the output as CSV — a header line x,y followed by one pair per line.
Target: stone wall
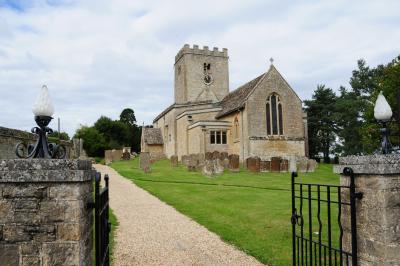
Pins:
x,y
378,212
9,138
44,219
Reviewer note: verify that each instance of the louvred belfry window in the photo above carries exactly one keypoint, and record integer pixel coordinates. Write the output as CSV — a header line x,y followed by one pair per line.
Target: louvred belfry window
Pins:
x,y
274,115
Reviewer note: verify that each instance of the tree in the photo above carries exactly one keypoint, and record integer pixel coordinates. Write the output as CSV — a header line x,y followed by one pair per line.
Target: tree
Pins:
x,y
127,116
62,136
94,142
321,112
349,123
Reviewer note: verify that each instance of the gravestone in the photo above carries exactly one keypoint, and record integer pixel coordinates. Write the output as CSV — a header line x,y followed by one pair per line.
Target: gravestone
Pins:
x,y
145,162
284,166
193,162
302,164
126,156
265,166
311,165
174,161
292,164
185,160
234,164
253,164
275,164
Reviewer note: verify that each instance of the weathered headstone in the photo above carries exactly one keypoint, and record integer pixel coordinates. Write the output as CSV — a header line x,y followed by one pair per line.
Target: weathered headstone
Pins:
x,y
292,164
302,163
234,164
126,156
265,166
145,162
216,155
193,162
284,165
311,165
185,160
276,164
174,161
253,164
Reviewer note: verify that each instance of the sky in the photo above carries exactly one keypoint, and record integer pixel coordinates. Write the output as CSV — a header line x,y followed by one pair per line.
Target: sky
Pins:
x,y
98,57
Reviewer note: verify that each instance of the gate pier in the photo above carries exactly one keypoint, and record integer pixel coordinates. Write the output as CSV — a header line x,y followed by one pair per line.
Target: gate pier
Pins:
x,y
44,214
378,213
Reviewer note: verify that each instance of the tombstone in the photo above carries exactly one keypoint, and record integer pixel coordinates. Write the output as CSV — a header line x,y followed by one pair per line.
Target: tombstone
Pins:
x,y
302,164
185,160
253,164
144,162
193,162
126,156
284,166
174,161
311,165
208,156
276,164
234,164
265,166
292,164
223,155
216,155
108,156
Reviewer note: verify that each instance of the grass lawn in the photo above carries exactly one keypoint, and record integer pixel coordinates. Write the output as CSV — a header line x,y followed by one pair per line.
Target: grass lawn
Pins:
x,y
249,210
114,224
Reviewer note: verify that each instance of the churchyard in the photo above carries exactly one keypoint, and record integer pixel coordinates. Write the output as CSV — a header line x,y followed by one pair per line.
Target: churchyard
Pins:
x,y
248,210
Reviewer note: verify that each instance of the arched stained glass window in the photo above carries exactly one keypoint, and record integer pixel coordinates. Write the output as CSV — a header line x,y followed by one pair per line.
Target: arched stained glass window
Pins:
x,y
274,115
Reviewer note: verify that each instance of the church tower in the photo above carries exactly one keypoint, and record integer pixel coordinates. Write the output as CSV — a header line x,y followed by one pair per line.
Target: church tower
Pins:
x,y
201,74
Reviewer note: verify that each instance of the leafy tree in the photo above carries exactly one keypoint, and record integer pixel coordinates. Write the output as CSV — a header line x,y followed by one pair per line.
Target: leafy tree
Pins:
x,y
321,110
94,142
349,123
127,116
63,135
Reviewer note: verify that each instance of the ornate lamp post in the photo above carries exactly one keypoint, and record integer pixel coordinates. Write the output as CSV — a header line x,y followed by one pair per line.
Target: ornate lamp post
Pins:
x,y
383,114
43,110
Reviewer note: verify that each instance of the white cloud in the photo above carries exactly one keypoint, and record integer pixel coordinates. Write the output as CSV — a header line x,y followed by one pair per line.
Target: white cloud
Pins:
x,y
98,57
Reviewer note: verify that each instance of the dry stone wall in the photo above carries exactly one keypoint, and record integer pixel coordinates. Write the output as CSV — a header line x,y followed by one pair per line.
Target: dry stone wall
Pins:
x,y
9,138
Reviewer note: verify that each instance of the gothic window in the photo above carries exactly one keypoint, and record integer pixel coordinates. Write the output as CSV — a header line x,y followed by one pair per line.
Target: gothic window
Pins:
x,y
236,128
274,115
218,137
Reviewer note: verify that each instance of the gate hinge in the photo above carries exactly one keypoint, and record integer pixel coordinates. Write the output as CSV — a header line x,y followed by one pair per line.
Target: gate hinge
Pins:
x,y
358,195
91,204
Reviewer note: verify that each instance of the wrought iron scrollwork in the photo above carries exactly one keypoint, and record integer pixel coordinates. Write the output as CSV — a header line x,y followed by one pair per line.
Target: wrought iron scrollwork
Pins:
x,y
41,149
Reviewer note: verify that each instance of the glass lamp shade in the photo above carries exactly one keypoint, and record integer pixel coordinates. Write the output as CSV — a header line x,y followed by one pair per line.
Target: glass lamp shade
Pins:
x,y
382,110
43,105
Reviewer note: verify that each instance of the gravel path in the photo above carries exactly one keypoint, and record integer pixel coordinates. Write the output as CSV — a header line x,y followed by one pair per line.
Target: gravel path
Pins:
x,y
151,232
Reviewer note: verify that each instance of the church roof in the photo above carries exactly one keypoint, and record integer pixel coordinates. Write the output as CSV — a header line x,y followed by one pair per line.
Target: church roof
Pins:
x,y
152,136
236,99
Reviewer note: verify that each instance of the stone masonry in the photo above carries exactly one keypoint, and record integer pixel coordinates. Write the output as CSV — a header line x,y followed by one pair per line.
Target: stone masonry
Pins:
x,y
378,212
44,218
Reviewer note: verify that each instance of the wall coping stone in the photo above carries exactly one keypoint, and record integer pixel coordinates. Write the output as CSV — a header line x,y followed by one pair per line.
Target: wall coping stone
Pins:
x,y
370,164
45,170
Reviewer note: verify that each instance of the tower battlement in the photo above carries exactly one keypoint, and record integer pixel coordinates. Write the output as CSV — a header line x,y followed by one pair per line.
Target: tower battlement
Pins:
x,y
186,49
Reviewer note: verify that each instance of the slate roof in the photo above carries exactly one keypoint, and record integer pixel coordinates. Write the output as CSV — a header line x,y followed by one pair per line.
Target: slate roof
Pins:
x,y
236,99
152,136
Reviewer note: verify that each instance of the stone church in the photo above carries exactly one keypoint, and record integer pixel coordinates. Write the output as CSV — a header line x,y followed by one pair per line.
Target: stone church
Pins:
x,y
263,117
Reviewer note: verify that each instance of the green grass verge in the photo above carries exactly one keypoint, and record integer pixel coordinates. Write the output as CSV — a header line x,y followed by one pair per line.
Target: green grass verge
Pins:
x,y
114,224
249,210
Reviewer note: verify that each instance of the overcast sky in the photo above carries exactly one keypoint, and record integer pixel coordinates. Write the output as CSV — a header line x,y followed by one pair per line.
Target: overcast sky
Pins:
x,y
98,57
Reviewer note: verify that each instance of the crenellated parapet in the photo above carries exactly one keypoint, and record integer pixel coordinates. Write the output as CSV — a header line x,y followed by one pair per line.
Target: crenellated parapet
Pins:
x,y
186,49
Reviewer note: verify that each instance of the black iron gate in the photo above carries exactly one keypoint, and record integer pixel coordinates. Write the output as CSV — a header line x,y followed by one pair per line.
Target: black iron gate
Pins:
x,y
321,216
102,224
